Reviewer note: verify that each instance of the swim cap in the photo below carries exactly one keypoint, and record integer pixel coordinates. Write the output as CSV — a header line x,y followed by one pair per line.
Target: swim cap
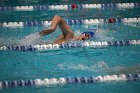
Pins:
x,y
90,33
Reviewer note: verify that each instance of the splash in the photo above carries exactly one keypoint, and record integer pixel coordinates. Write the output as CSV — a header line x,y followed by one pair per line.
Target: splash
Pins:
x,y
31,39
103,35
100,66
72,66
7,41
97,67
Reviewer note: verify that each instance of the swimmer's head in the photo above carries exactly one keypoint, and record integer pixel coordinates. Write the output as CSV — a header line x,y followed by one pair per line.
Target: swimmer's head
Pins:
x,y
86,35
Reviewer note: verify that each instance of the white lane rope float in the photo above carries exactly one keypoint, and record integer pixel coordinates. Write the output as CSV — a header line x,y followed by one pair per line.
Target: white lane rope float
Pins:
x,y
68,80
90,44
69,7
70,22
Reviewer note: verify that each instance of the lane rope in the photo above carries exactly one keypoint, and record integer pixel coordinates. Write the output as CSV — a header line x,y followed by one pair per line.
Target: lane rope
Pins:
x,y
69,22
69,7
89,44
68,80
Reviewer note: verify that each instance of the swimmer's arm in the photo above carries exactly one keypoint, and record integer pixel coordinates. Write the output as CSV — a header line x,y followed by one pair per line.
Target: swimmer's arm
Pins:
x,y
46,32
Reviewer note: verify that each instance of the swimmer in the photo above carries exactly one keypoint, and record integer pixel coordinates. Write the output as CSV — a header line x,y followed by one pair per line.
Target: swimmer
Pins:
x,y
125,70
67,34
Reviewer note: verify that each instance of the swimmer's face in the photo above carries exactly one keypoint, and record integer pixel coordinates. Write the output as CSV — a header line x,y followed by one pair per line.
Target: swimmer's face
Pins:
x,y
84,36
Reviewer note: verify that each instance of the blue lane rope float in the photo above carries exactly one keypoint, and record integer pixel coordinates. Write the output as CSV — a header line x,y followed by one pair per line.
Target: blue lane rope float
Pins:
x,y
71,45
69,22
69,7
68,80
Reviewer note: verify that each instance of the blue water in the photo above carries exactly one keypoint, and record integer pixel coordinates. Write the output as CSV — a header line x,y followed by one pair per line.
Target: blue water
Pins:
x,y
15,65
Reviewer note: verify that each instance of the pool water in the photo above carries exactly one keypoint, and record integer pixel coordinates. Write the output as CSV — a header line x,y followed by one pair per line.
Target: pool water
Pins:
x,y
16,65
